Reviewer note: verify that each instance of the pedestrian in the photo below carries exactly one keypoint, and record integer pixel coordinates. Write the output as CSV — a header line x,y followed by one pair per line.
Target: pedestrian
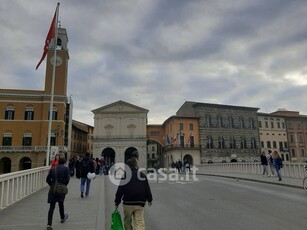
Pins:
x,y
55,160
134,195
277,162
85,166
61,174
71,166
264,163
270,161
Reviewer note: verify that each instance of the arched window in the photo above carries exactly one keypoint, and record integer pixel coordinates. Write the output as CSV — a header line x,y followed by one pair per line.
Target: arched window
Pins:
x,y
219,121
209,142
243,143
221,142
230,121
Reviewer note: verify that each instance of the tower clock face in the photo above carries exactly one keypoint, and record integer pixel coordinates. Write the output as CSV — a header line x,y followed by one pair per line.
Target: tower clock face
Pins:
x,y
58,61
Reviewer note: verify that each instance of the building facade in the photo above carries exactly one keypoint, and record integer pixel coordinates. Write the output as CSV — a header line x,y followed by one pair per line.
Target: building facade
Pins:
x,y
273,134
81,139
296,125
24,116
227,133
119,131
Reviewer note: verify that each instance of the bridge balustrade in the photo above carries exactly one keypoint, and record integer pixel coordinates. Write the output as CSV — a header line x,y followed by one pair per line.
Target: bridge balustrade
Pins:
x,y
17,185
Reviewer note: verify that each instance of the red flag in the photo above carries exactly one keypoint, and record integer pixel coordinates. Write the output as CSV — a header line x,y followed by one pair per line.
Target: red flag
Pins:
x,y
49,37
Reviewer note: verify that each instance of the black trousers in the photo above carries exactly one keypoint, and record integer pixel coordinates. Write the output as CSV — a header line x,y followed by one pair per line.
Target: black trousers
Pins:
x,y
51,210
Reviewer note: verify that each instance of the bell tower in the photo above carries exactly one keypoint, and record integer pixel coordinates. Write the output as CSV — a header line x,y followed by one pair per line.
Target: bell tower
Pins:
x,y
62,57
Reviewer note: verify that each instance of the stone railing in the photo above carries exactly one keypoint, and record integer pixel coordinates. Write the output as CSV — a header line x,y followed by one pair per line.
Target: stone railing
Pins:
x,y
17,185
293,170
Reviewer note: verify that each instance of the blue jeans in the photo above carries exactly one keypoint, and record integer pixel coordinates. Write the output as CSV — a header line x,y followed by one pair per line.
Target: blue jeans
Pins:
x,y
277,168
85,180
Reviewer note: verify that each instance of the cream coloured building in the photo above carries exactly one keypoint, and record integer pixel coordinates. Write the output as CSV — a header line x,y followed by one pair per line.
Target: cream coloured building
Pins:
x,y
119,130
273,134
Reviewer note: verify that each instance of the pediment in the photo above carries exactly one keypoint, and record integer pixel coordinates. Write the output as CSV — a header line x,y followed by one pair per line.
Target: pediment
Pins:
x,y
120,107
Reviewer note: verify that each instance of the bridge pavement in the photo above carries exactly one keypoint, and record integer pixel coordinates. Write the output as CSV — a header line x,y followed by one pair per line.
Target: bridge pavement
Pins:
x,y
93,212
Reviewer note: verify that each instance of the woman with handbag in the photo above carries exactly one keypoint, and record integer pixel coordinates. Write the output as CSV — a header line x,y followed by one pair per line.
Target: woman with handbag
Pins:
x,y
57,175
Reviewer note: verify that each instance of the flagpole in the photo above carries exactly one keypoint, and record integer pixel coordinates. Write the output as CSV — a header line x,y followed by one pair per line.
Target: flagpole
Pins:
x,y
52,86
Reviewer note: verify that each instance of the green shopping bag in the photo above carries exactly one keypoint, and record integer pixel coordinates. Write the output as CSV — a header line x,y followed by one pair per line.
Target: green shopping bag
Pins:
x,y
117,223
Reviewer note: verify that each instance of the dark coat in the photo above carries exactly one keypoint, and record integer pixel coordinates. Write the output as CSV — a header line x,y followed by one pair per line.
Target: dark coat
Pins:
x,y
135,192
62,177
264,160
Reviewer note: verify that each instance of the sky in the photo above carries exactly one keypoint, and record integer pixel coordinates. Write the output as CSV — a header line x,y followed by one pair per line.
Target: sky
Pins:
x,y
157,54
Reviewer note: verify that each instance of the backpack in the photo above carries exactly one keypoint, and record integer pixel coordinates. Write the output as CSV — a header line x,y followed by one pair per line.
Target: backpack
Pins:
x,y
84,167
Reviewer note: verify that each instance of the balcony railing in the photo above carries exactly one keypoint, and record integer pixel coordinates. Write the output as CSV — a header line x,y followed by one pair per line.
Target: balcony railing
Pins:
x,y
118,137
15,149
176,147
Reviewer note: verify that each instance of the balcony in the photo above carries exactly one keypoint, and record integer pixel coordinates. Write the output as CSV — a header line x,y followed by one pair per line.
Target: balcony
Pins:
x,y
178,147
27,149
119,138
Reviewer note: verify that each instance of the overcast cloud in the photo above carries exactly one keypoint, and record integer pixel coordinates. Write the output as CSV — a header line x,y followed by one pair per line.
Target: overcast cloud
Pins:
x,y
157,54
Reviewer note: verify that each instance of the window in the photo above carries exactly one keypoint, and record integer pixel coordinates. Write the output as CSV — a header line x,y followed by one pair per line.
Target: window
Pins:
x,y
262,144
274,144
54,114
209,142
232,143
299,125
266,124
53,140
272,124
253,143
191,126
221,143
241,123
154,133
300,137
251,123
243,143
192,141
153,148
9,113
268,144
230,121
291,137
7,139
283,125
208,120
302,152
181,126
29,113
281,148
153,156
219,121
286,145
181,140
292,152
260,124
27,139
278,125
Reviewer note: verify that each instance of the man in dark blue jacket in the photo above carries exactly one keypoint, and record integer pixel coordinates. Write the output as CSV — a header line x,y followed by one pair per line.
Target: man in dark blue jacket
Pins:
x,y
134,195
86,165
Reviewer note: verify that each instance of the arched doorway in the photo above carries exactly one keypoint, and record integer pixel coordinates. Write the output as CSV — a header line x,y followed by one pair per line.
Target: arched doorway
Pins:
x,y
188,158
233,161
5,165
108,155
25,163
131,152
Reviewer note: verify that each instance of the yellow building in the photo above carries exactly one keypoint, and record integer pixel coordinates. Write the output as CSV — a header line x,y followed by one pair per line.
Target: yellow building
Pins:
x,y
24,116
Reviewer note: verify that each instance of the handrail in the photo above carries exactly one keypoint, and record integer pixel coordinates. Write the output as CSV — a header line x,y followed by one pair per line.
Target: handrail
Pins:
x,y
292,170
17,185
